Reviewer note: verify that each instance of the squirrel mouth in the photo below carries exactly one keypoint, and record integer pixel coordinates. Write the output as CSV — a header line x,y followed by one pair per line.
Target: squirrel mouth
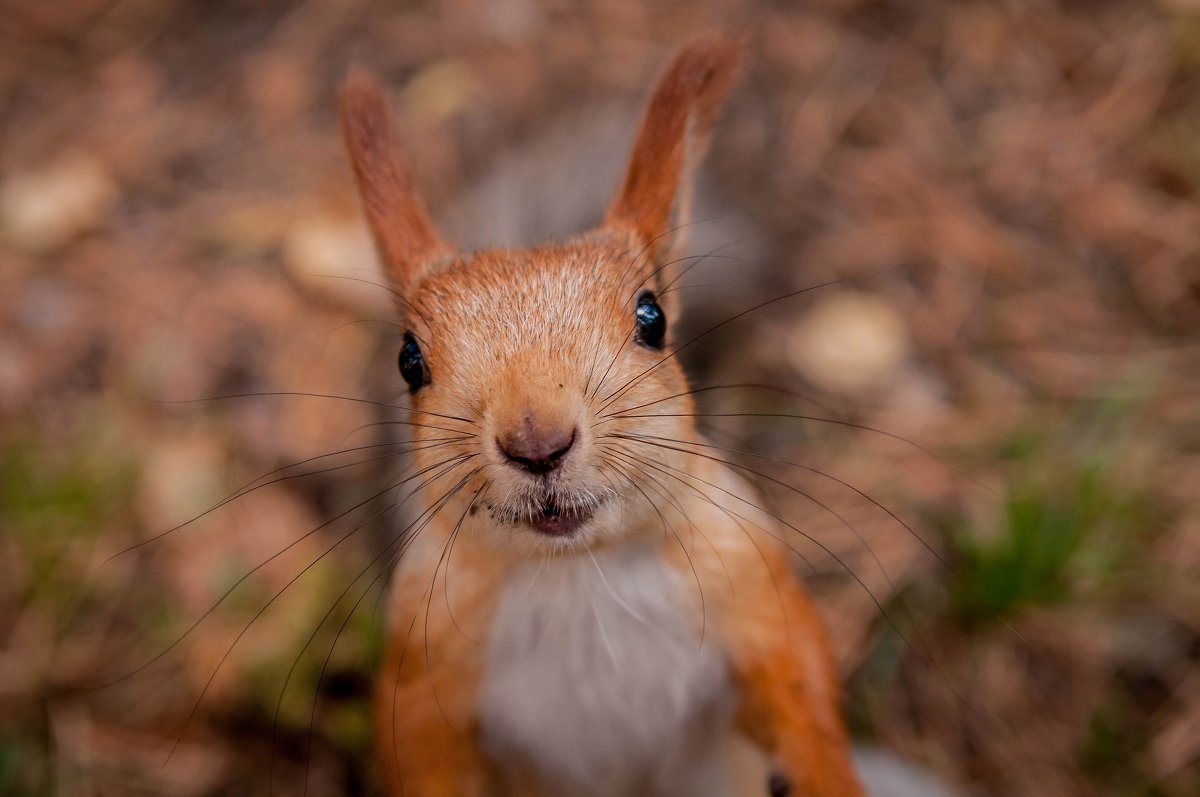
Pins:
x,y
555,521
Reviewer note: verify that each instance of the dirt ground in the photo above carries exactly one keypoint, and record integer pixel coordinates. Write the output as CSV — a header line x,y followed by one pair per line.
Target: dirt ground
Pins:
x,y
1000,385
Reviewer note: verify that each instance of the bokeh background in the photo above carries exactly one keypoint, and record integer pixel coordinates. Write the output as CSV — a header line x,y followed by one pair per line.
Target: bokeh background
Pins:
x,y
1004,192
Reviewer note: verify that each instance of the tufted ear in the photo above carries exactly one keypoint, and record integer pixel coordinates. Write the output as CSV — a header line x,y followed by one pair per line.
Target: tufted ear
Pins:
x,y
672,137
404,234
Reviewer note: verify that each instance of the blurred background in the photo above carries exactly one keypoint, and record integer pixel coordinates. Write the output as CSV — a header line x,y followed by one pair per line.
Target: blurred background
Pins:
x,y
1004,192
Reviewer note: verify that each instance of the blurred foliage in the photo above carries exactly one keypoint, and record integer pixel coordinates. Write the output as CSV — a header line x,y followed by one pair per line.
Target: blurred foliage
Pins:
x,y
54,502
1067,523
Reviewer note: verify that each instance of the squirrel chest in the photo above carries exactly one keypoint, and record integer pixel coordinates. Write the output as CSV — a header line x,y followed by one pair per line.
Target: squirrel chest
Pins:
x,y
598,680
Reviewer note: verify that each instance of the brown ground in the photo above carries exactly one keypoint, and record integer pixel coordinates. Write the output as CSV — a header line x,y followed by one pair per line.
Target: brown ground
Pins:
x,y
1007,192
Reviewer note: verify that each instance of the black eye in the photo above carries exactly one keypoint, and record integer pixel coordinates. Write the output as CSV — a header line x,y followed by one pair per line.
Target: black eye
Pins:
x,y
651,321
412,364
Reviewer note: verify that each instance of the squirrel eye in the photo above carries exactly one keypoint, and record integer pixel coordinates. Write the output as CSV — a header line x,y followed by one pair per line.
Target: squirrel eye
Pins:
x,y
412,364
651,321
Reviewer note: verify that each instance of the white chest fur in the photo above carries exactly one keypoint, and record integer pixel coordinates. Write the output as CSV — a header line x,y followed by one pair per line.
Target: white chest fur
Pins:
x,y
597,678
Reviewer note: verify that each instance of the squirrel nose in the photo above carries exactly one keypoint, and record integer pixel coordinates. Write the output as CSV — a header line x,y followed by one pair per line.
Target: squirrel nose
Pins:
x,y
536,450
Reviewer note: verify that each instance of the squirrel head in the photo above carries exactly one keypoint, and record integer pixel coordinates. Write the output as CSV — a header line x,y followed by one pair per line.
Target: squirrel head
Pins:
x,y
539,365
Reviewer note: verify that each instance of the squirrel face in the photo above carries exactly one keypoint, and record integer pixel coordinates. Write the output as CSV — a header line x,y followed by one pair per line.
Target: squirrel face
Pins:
x,y
535,363
539,351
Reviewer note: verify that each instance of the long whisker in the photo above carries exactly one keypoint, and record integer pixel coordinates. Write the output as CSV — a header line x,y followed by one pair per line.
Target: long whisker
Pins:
x,y
736,519
396,690
407,541
325,395
450,557
625,275
818,472
380,321
657,485
692,286
401,538
825,548
608,648
817,502
879,505
713,253
395,293
696,260
396,686
667,526
622,411
649,244
296,661
246,628
352,399
840,518
920,638
258,567
613,593
616,355
792,416
253,485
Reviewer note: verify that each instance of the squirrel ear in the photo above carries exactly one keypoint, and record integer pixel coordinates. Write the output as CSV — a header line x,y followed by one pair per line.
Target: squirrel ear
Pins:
x,y
672,136
404,234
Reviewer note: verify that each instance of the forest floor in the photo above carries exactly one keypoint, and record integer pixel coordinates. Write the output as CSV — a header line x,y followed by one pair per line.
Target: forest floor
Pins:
x,y
1004,193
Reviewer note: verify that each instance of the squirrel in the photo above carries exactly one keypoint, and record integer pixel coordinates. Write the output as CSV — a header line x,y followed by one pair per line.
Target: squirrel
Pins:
x,y
589,601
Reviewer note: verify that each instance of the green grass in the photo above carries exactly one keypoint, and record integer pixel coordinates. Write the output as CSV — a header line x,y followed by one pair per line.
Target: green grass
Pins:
x,y
54,500
1069,517
1065,536
1053,538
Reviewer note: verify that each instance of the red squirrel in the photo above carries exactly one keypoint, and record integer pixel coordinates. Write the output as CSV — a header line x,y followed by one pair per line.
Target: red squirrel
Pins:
x,y
589,601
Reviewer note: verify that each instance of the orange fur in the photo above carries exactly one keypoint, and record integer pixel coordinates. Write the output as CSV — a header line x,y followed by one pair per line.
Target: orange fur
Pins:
x,y
522,341
424,720
779,647
674,128
403,231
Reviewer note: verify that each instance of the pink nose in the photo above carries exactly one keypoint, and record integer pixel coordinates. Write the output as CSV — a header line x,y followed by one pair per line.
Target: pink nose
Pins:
x,y
537,449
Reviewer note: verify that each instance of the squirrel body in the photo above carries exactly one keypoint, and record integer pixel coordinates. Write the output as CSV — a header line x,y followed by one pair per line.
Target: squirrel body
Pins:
x,y
589,601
